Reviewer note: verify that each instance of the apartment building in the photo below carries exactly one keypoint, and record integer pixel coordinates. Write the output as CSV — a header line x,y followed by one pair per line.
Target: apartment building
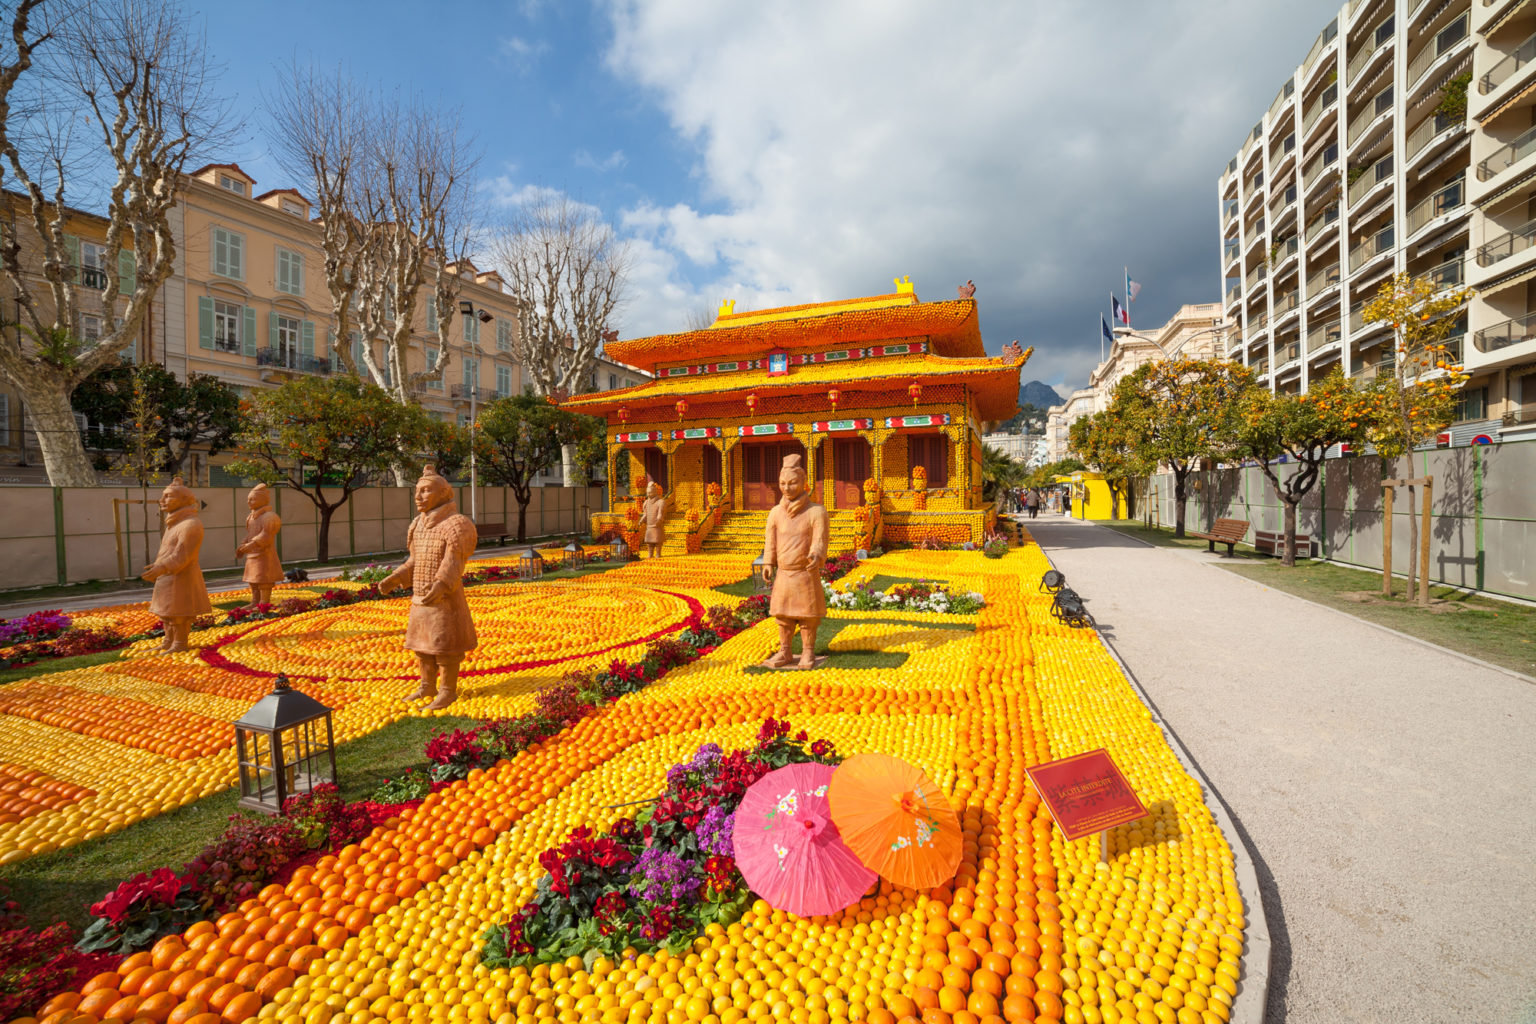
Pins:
x,y
248,304
1059,420
1370,162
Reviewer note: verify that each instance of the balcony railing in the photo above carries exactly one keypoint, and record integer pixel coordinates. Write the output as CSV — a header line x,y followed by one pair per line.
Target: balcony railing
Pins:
x,y
1256,275
1506,245
1444,41
1510,332
1322,337
1357,322
1285,146
1229,251
1327,158
1379,38
1450,274
1233,292
1286,92
1329,33
1283,200
1228,209
288,359
1420,137
1376,245
1329,216
1500,72
1287,354
1259,368
1432,206
1325,278
1374,109
1328,97
1255,231
466,392
1455,346
1374,175
1507,155
1286,303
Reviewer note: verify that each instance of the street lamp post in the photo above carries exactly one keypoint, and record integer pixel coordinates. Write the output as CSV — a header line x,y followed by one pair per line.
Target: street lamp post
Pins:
x,y
467,308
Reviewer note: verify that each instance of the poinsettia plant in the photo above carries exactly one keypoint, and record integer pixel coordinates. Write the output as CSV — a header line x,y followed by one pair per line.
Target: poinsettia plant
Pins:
x,y
139,911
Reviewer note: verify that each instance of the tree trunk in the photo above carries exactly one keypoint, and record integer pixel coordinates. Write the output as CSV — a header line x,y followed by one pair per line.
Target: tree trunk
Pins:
x,y
1179,481
323,547
1288,552
568,465
522,515
58,438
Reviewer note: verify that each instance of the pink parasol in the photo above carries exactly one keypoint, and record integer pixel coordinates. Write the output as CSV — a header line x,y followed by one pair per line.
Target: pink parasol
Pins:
x,y
787,848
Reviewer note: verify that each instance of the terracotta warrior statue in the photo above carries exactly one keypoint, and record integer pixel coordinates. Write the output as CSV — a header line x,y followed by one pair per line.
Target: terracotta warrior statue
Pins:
x,y
180,594
794,550
654,512
439,629
259,549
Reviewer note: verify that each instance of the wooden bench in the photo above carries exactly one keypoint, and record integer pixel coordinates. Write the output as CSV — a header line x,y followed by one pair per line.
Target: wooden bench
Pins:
x,y
1225,531
484,530
1272,542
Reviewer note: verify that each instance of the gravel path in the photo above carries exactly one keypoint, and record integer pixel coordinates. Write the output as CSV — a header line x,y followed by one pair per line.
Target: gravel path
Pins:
x,y
1385,790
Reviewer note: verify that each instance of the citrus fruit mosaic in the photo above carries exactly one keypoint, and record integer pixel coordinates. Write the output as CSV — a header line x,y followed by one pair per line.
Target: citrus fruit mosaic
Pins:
x,y
1031,928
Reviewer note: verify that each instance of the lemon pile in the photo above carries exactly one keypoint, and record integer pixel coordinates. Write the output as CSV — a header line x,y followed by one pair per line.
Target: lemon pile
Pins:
x,y
1031,928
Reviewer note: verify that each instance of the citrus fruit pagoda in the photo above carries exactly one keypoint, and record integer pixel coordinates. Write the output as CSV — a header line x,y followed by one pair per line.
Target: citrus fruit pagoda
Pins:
x,y
1031,928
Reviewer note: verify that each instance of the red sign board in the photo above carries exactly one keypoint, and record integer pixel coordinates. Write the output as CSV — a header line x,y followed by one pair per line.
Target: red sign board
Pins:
x,y
1086,793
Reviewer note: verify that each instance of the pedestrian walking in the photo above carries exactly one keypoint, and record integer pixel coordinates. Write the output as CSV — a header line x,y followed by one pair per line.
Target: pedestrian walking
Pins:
x,y
1033,503
1066,503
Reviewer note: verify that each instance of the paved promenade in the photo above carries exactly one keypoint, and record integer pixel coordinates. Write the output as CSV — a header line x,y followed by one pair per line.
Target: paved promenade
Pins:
x,y
1385,790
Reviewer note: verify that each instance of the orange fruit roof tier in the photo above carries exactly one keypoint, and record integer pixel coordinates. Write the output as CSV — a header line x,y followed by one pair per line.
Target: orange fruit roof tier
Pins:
x,y
993,381
951,328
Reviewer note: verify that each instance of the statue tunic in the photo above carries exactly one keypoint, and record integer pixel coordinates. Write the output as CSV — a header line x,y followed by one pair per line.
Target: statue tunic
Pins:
x,y
440,542
261,563
180,591
655,512
795,541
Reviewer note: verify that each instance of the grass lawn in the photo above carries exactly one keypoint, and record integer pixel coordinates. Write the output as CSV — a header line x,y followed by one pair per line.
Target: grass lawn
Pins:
x,y
1164,538
42,668
61,886
1495,631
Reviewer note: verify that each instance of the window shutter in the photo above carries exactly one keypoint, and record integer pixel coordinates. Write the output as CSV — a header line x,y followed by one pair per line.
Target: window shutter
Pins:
x,y
236,257
204,322
296,272
72,253
127,271
272,331
468,374
248,336
307,339
431,314
5,421
282,271
220,252
357,352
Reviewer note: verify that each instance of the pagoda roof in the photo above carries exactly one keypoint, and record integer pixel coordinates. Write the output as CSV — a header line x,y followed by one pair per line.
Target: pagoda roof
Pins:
x,y
951,327
993,380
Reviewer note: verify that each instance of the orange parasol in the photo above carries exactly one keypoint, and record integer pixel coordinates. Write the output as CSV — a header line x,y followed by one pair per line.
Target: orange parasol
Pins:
x,y
896,820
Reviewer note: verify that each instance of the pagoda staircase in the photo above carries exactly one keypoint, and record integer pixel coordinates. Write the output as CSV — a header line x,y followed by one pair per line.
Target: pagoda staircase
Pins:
x,y
742,533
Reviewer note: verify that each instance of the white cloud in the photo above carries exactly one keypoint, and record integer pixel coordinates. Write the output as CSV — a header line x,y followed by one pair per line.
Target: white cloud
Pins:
x,y
613,161
1036,148
522,53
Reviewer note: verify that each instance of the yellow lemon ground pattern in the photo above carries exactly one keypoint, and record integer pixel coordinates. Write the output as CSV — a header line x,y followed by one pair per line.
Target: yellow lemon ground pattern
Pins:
x,y
354,663
1031,928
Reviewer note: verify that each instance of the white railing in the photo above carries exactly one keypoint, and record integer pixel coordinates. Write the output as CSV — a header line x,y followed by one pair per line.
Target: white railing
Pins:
x,y
1432,206
1369,249
1256,275
1329,33
1321,162
1374,175
1445,40
1500,72
1372,111
1322,220
1325,278
1508,154
1283,200
1506,245
1431,127
1377,42
1329,96
1324,335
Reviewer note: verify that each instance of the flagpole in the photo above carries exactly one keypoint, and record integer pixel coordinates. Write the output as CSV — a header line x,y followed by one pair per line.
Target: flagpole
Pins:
x,y
1127,297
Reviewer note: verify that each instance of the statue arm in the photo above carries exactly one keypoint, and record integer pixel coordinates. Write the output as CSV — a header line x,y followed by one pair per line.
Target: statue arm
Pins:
x,y
402,575
770,548
177,551
819,540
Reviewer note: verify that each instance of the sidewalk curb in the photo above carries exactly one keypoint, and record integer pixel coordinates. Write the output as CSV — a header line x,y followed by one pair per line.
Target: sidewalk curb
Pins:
x,y
1252,998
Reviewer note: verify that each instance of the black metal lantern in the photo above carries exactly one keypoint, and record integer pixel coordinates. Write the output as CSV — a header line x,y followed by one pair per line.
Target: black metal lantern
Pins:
x,y
1068,609
281,749
1052,581
760,573
572,556
618,550
530,565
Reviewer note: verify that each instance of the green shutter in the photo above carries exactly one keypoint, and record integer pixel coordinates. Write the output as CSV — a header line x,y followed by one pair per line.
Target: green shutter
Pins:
x,y
204,322
431,314
72,253
307,338
272,331
248,336
296,272
282,270
220,252
127,271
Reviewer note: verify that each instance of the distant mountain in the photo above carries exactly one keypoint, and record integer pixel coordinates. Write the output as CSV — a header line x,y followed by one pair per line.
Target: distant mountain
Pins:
x,y
1041,396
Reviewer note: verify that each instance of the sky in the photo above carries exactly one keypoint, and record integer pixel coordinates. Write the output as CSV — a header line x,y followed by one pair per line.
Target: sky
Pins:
x,y
792,152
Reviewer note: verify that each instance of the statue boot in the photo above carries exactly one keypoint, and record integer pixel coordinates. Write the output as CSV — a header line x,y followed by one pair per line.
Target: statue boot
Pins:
x,y
447,693
785,656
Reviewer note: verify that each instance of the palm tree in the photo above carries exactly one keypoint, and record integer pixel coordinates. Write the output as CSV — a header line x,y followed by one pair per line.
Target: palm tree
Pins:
x,y
998,470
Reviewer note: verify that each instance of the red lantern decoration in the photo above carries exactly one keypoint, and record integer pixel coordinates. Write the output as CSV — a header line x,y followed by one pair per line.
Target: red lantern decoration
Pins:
x,y
832,396
682,408
752,404
915,390
623,414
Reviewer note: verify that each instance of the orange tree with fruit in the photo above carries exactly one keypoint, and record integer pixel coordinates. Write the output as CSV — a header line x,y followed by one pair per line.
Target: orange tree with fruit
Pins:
x,y
1417,398
1106,444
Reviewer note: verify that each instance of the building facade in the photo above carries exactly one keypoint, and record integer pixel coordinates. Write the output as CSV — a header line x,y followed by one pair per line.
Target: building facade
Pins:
x,y
1059,420
248,304
1028,450
1196,331
1405,141
883,398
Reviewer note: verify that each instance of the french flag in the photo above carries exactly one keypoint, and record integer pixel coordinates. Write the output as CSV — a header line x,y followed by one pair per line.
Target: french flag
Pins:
x,y
1120,315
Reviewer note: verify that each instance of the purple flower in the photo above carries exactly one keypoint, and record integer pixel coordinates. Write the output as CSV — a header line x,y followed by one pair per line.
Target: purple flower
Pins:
x,y
663,877
714,831
704,761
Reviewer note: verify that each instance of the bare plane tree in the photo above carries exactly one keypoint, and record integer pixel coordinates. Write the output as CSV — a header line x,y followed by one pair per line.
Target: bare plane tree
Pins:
x,y
565,271
108,98
393,182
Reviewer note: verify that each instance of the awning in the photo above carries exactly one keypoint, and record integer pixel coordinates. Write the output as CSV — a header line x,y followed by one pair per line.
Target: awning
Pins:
x,y
1492,199
1430,19
1453,150
1509,280
1451,71
1499,20
1508,104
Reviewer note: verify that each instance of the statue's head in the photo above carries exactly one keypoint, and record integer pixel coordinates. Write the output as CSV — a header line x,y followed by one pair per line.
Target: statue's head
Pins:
x,y
176,496
653,489
792,477
260,497
432,490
